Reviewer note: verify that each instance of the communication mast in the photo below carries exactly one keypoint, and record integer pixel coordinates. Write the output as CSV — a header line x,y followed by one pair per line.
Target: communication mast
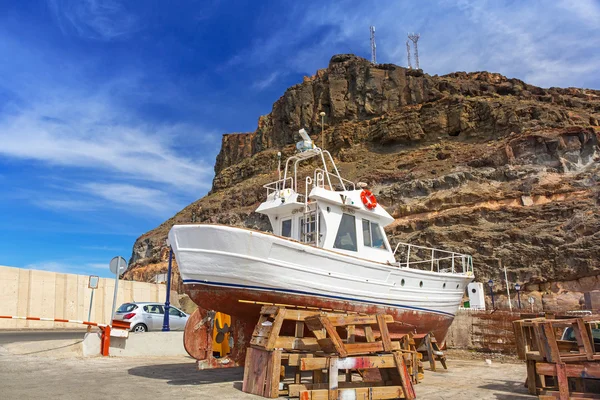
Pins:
x,y
415,38
408,54
373,46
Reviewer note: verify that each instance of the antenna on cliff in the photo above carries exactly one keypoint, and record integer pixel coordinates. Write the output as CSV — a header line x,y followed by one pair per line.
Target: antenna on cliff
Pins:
x,y
415,38
373,46
408,54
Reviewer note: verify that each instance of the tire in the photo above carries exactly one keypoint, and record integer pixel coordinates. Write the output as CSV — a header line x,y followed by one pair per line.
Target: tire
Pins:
x,y
140,328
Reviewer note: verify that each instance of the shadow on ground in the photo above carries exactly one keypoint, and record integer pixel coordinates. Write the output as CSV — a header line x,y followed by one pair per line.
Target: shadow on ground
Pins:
x,y
187,374
508,389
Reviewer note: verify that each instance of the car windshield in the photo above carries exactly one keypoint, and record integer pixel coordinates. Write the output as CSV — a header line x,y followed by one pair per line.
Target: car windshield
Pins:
x,y
570,335
127,307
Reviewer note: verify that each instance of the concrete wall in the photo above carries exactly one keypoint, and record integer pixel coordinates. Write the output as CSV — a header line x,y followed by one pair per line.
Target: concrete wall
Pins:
x,y
33,293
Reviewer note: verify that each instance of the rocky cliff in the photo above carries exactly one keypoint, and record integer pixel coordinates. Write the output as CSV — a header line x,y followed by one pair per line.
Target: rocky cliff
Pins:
x,y
475,162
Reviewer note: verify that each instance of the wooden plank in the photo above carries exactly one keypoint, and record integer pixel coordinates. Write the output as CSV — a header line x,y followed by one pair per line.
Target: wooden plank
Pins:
x,y
343,320
273,375
295,389
407,386
262,330
548,342
350,334
519,339
369,334
584,369
333,335
318,376
299,330
333,378
290,343
385,334
371,393
588,344
552,395
365,362
563,382
269,310
532,377
366,348
430,355
255,371
275,329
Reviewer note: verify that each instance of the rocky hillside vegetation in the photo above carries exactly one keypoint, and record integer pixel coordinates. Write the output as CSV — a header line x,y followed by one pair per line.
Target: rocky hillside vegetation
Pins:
x,y
474,162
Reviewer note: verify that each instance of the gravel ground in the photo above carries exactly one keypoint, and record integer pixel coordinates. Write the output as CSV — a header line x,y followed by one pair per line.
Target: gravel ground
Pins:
x,y
55,369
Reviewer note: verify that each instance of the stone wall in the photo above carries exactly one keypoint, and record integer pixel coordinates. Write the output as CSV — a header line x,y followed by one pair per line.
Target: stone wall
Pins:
x,y
33,293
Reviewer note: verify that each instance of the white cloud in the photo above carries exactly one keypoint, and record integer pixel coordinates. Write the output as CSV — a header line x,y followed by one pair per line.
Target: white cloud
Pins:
x,y
262,84
93,19
66,267
543,43
87,133
133,197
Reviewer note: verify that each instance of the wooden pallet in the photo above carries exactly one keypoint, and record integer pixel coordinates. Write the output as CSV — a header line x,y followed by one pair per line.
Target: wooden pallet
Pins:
x,y
309,341
558,368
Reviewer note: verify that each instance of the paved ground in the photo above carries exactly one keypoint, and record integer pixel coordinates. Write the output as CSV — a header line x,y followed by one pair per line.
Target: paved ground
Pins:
x,y
7,336
32,371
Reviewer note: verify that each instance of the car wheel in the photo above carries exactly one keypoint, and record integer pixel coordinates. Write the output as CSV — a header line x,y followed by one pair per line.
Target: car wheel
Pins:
x,y
140,328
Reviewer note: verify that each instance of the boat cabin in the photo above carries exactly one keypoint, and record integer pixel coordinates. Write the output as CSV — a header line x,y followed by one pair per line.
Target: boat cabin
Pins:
x,y
326,210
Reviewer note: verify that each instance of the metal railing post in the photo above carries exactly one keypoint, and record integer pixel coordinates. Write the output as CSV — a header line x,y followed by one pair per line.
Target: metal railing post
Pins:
x,y
408,257
432,257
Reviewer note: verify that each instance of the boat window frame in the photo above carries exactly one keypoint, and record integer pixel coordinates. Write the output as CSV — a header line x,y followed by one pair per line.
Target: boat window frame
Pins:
x,y
379,230
283,221
351,232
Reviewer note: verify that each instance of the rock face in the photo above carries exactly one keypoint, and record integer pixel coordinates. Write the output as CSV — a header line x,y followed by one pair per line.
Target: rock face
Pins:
x,y
474,162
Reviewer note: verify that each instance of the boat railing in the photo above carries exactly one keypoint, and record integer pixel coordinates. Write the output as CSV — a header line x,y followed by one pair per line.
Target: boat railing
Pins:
x,y
444,261
320,176
275,187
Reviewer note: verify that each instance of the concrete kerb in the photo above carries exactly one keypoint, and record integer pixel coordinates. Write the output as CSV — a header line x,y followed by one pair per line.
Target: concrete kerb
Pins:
x,y
146,344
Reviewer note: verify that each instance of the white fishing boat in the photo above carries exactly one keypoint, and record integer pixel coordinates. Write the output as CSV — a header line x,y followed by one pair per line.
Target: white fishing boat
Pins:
x,y
327,249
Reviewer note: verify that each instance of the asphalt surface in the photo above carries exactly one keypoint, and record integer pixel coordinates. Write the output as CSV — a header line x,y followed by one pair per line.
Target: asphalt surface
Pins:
x,y
7,337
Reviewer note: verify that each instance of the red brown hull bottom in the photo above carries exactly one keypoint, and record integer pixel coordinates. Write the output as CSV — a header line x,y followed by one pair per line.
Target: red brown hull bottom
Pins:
x,y
245,316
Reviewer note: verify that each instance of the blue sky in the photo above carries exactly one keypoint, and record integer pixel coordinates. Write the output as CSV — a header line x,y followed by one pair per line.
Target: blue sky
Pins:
x,y
111,112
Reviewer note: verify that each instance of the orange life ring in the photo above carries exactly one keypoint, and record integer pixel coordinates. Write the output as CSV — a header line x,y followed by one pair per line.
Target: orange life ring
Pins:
x,y
368,199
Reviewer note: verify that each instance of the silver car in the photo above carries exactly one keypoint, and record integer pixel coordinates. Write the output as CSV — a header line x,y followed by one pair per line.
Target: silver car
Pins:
x,y
145,316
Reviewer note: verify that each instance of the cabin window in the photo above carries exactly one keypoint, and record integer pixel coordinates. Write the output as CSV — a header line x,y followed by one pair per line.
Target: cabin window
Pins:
x,y
372,235
286,228
346,235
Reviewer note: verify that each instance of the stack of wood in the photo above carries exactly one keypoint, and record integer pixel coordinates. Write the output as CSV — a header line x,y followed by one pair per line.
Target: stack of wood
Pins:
x,y
559,368
315,347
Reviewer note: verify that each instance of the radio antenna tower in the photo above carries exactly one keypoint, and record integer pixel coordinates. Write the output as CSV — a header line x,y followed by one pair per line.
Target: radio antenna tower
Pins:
x,y
373,46
408,54
415,38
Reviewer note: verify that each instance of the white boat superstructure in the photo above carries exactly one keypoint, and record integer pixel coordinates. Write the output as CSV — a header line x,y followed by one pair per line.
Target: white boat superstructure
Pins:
x,y
327,243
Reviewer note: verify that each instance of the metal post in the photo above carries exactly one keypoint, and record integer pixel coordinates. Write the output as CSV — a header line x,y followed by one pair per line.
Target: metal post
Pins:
x,y
114,306
507,289
491,284
322,114
519,297
91,302
165,327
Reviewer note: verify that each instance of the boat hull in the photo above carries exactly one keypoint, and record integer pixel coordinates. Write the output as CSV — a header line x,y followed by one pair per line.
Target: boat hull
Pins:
x,y
239,304
236,271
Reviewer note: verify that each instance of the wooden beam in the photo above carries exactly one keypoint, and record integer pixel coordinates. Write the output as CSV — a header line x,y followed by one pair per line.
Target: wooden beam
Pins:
x,y
579,370
385,334
365,362
371,393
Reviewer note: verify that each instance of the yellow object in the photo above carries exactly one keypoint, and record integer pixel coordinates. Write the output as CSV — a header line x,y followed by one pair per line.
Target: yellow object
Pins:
x,y
223,347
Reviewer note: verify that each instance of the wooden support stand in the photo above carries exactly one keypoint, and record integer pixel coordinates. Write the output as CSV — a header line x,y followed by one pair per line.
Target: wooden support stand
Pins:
x,y
429,348
316,347
560,369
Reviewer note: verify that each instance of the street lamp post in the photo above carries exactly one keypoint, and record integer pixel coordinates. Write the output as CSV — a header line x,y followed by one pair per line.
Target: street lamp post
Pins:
x,y
491,284
518,290
166,326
